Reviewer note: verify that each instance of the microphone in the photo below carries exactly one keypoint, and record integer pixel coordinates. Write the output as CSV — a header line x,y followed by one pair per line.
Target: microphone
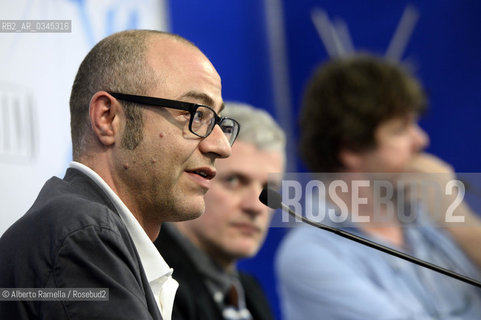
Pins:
x,y
273,199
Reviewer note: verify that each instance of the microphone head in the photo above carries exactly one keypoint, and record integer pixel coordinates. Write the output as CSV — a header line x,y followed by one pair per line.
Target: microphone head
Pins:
x,y
270,198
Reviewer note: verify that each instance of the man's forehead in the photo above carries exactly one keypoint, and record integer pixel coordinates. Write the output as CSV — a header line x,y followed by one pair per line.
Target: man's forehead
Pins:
x,y
181,65
397,120
242,162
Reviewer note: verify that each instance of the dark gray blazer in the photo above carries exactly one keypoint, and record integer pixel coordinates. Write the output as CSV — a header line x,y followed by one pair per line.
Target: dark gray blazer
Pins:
x,y
73,237
193,300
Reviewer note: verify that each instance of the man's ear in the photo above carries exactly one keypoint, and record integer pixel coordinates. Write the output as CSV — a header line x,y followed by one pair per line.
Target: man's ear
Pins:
x,y
104,117
350,159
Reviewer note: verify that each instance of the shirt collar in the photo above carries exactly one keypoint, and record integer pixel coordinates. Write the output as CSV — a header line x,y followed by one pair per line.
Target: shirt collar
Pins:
x,y
154,265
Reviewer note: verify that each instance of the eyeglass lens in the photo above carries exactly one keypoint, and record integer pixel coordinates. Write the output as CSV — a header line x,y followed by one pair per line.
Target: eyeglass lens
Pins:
x,y
203,123
230,129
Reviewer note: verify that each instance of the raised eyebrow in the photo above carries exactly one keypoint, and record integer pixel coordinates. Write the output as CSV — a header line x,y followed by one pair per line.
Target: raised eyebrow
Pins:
x,y
204,99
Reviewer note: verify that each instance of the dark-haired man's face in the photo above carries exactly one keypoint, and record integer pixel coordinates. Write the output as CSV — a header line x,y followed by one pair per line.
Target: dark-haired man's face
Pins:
x,y
398,141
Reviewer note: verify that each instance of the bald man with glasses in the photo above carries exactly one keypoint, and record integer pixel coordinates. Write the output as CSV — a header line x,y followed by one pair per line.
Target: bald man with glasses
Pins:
x,y
145,135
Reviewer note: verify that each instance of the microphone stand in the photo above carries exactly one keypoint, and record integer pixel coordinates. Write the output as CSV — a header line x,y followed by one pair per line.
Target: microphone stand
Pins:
x,y
277,203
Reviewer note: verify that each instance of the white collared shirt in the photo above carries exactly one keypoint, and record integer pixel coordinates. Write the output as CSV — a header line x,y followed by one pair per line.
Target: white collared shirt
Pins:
x,y
158,272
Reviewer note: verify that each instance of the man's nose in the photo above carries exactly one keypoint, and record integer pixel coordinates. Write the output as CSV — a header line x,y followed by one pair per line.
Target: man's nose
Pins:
x,y
216,143
420,138
251,203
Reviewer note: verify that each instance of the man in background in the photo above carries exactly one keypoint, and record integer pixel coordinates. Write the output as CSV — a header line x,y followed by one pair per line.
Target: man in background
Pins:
x,y
359,117
204,251
145,136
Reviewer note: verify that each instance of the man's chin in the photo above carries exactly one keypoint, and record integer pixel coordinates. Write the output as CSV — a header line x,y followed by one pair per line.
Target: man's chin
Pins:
x,y
192,212
245,251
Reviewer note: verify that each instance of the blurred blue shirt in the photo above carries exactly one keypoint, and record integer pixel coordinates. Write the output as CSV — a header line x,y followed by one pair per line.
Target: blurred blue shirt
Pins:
x,y
324,276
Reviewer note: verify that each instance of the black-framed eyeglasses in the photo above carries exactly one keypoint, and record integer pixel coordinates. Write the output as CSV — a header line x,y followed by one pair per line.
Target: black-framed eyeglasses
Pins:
x,y
202,118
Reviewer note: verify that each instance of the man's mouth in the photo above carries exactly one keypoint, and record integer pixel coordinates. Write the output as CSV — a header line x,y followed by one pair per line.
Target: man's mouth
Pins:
x,y
206,173
247,228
